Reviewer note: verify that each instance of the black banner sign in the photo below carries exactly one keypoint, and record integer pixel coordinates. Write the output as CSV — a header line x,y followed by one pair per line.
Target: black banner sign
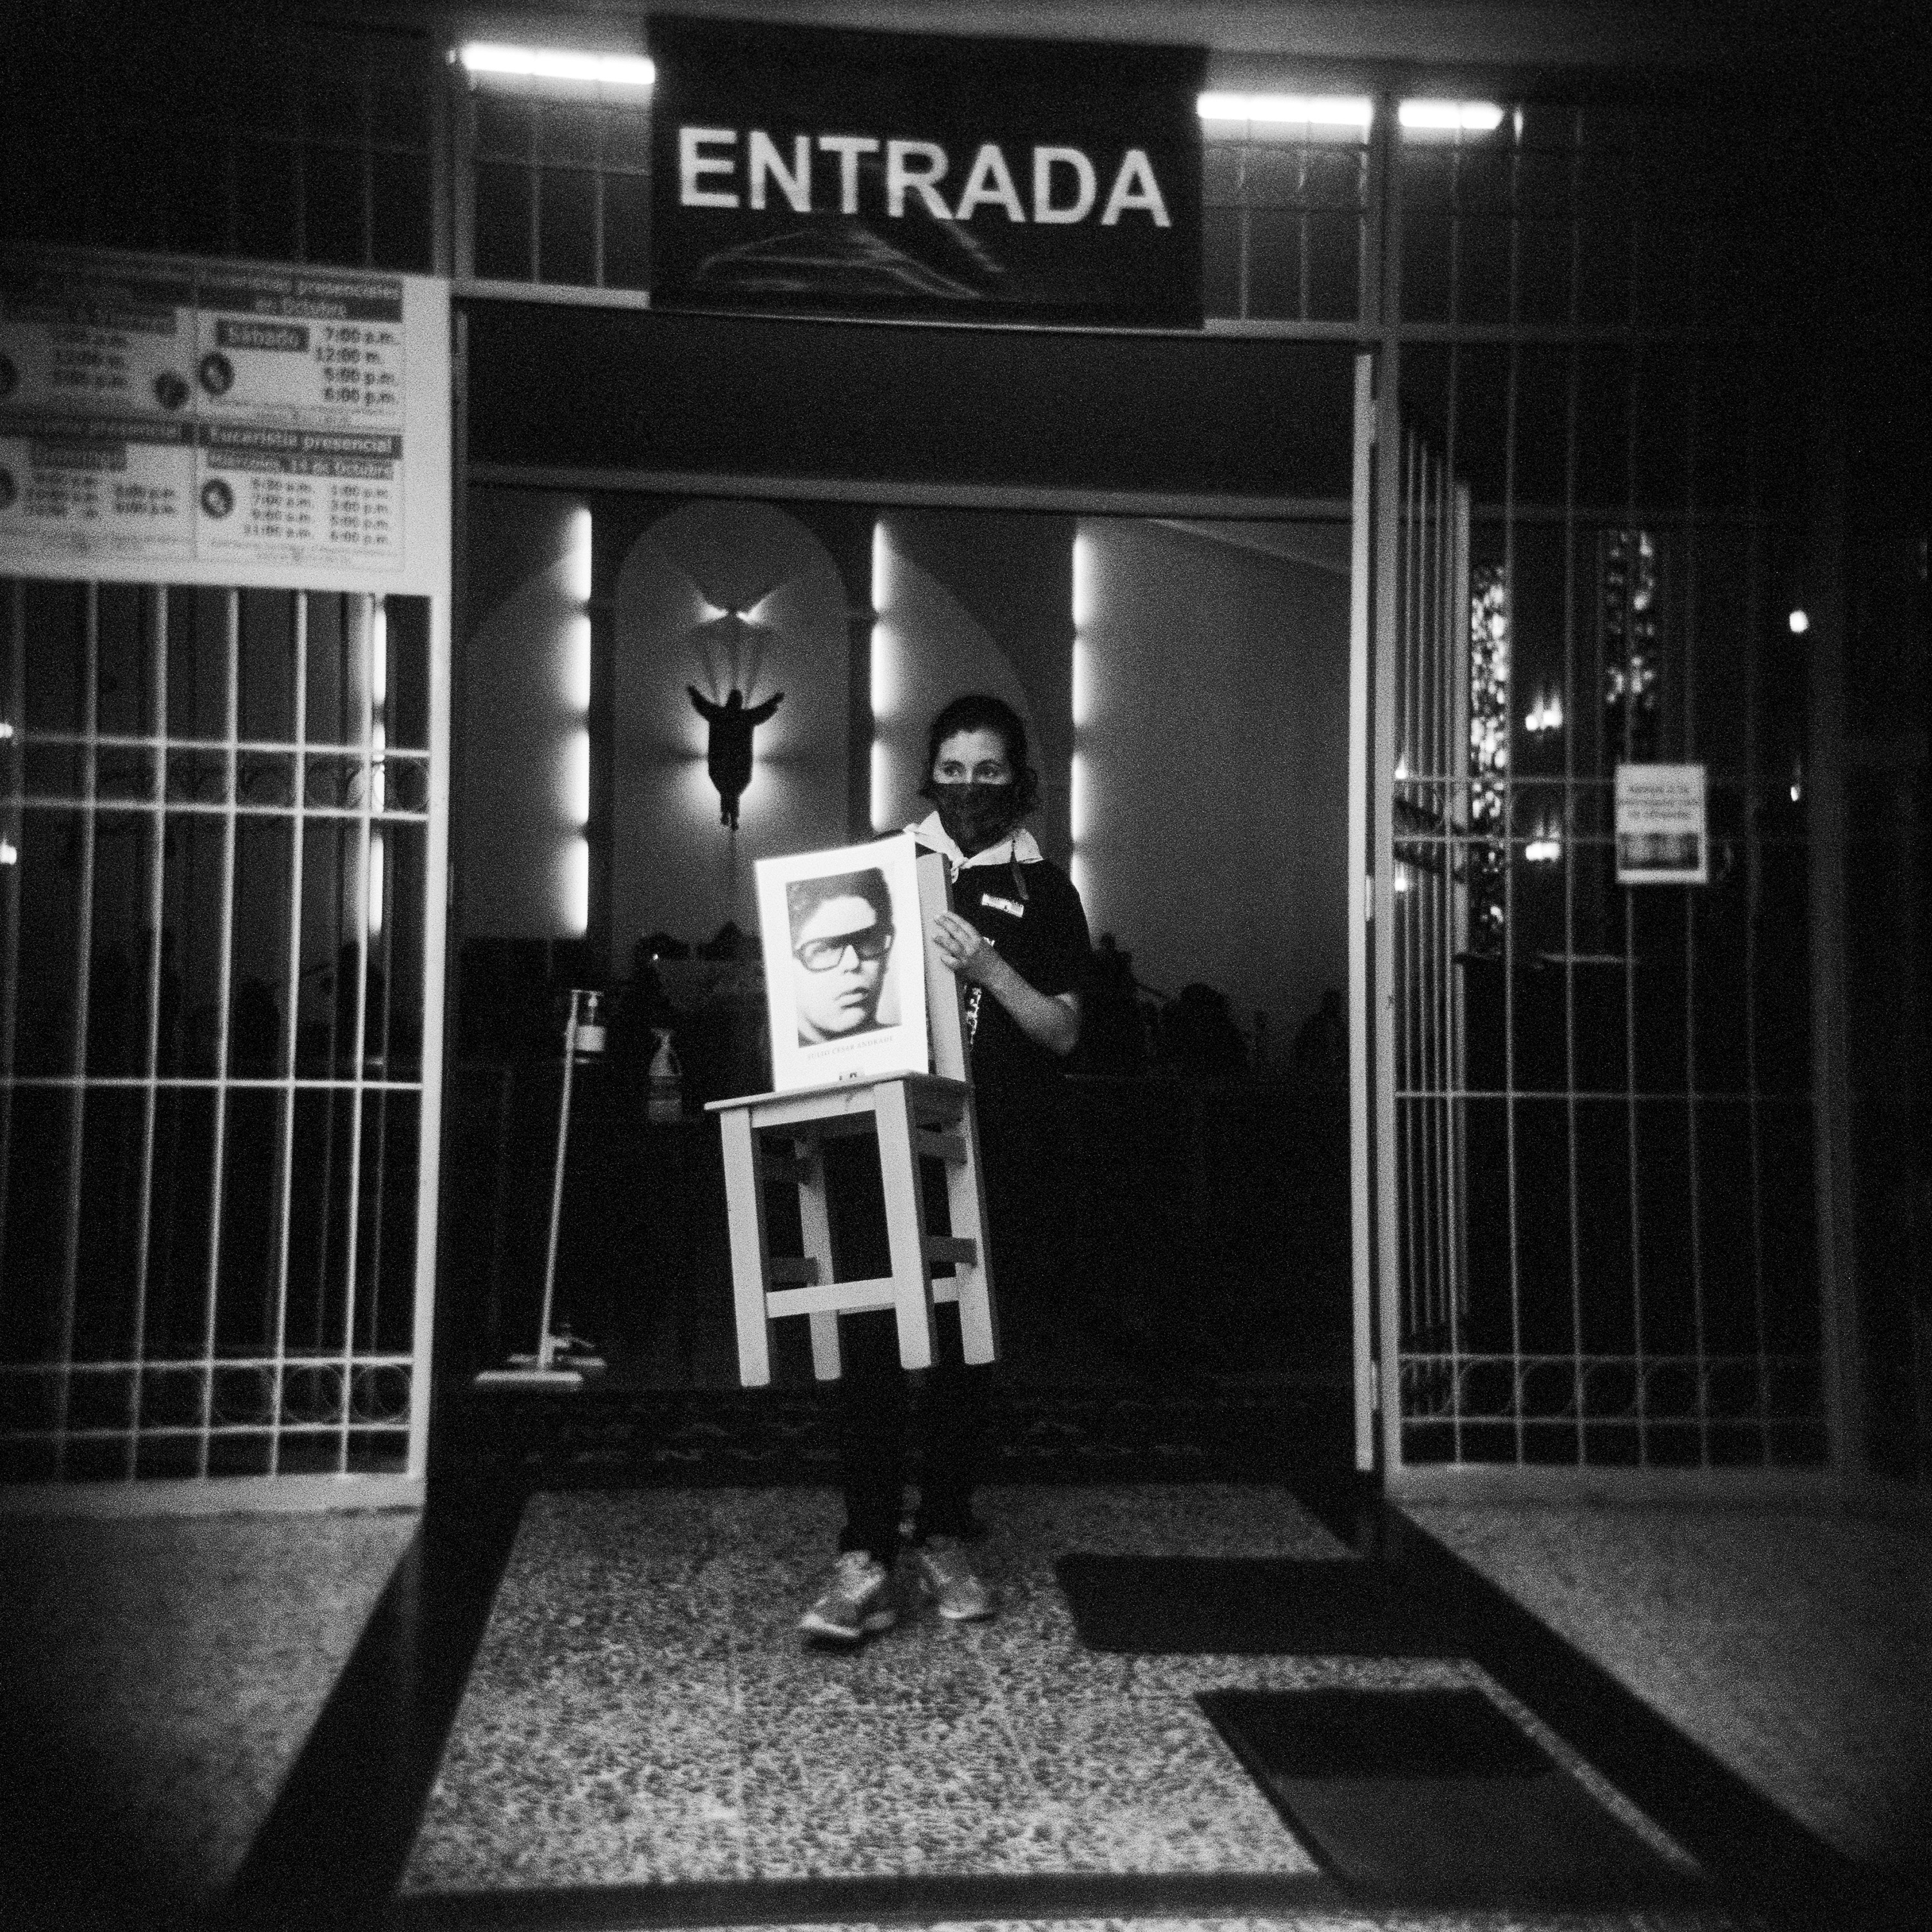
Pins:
x,y
829,172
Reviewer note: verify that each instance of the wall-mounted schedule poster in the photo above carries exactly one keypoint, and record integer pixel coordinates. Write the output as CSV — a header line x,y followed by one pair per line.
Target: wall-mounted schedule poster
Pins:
x,y
162,417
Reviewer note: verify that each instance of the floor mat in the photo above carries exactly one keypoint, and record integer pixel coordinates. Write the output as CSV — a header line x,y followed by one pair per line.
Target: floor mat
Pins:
x,y
1437,1798
614,1434
1246,1607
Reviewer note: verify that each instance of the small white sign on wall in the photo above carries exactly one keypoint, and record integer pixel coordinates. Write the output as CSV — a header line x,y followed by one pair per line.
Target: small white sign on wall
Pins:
x,y
1663,827
844,963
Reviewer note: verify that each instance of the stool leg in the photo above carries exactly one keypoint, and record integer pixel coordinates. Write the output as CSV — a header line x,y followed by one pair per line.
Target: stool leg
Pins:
x,y
905,1225
966,1197
745,1211
815,1218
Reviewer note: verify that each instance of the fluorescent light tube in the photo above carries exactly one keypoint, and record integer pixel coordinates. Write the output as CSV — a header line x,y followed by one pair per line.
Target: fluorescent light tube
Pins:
x,y
1312,110
557,63
1472,117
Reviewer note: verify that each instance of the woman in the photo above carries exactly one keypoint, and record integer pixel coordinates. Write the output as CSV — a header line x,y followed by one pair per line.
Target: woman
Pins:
x,y
1016,937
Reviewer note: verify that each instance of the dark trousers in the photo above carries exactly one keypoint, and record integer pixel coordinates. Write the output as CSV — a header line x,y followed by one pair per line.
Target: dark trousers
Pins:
x,y
879,1416
884,1411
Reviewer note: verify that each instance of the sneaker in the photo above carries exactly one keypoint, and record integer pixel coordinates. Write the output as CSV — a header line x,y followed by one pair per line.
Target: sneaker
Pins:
x,y
856,1604
948,1579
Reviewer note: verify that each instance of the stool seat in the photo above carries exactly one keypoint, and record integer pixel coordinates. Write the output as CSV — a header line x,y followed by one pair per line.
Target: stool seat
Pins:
x,y
917,1116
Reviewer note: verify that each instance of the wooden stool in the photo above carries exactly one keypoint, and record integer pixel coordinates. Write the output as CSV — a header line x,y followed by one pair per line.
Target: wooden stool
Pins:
x,y
918,1116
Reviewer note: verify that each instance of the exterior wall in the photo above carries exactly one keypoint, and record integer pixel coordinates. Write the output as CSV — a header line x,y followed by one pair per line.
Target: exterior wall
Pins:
x,y
1577,313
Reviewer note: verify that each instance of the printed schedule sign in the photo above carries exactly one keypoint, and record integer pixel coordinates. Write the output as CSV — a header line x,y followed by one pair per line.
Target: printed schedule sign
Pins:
x,y
1662,829
222,422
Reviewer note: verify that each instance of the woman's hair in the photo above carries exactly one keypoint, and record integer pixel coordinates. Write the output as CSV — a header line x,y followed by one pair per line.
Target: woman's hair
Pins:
x,y
803,897
978,711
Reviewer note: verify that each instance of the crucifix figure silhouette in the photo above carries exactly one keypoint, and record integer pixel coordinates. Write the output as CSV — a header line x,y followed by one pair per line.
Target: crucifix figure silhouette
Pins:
x,y
728,756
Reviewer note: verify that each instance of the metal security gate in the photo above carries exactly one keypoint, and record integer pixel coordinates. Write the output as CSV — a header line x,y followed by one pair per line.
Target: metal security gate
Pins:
x,y
218,1034
1425,922
1590,1121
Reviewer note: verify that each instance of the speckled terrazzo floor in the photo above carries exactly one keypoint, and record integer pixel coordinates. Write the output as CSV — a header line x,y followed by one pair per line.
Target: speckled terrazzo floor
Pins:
x,y
641,1710
1796,1648
162,1674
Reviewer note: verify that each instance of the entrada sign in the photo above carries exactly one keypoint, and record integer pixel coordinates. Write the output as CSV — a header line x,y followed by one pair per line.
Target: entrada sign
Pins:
x,y
912,175
914,171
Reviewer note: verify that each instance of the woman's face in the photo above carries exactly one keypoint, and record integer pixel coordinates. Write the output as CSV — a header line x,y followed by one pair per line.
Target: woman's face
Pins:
x,y
973,758
835,986
973,786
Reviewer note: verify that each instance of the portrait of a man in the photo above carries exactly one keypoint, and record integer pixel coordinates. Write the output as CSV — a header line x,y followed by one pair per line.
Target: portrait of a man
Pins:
x,y
841,942
845,962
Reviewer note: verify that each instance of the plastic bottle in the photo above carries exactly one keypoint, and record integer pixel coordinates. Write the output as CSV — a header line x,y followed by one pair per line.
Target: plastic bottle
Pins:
x,y
590,1033
665,1100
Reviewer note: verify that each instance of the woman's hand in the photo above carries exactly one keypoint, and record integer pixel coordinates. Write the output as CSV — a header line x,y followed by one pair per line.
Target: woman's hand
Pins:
x,y
1049,1021
965,948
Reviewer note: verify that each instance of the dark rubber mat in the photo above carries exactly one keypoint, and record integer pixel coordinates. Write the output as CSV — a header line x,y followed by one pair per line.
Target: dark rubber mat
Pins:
x,y
1437,1798
616,1435
1247,1606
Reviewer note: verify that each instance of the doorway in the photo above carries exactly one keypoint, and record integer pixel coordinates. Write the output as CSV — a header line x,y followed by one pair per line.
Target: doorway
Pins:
x,y
963,484
1185,683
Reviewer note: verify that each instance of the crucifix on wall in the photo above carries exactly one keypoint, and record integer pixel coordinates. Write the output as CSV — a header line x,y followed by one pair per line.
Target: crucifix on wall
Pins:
x,y
733,644
728,756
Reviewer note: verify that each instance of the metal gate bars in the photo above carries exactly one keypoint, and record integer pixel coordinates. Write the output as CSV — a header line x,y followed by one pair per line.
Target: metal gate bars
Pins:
x,y
212,1030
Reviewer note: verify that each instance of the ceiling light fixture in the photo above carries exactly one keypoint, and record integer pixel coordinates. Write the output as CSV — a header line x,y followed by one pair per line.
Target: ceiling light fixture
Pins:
x,y
1311,110
1469,117
556,64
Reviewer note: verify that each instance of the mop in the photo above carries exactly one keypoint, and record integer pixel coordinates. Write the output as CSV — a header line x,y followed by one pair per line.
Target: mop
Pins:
x,y
561,1362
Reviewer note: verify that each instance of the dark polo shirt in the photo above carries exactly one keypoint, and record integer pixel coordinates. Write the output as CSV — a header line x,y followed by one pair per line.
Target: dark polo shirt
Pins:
x,y
1029,910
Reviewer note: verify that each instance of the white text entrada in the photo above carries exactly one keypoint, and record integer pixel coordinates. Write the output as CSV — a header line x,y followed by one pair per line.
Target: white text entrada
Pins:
x,y
1064,184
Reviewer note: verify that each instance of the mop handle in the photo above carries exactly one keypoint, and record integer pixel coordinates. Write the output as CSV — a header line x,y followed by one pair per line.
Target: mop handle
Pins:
x,y
548,1343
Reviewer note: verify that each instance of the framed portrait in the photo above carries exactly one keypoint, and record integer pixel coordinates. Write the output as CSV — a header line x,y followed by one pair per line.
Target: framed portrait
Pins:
x,y
844,955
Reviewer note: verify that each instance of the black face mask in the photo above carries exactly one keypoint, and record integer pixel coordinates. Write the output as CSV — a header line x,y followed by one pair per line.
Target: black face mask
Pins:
x,y
975,816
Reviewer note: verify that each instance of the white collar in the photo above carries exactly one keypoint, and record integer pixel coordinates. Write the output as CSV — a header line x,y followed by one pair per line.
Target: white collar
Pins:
x,y
1019,846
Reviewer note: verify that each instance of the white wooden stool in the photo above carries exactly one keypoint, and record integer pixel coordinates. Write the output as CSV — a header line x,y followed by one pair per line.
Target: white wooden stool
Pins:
x,y
917,1116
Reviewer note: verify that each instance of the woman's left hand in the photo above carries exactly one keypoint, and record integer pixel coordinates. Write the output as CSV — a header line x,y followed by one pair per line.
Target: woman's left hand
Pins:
x,y
964,948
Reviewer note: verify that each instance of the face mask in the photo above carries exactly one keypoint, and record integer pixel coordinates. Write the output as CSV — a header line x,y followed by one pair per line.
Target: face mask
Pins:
x,y
975,816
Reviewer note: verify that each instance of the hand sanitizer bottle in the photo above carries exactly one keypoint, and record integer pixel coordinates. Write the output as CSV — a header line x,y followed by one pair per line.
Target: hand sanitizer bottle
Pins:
x,y
665,1102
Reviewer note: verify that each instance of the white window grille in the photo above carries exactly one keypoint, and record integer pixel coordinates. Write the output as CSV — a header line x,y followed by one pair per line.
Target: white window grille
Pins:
x,y
216,989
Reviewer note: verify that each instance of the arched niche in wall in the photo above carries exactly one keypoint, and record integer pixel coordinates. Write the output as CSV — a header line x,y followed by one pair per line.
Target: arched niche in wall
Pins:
x,y
719,595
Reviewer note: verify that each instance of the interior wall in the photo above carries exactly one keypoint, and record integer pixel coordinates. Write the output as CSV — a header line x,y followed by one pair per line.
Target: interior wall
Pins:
x,y
1213,818
970,601
1211,749
716,596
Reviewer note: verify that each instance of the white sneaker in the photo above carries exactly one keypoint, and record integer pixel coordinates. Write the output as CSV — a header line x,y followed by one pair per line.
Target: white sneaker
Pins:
x,y
856,1604
949,1579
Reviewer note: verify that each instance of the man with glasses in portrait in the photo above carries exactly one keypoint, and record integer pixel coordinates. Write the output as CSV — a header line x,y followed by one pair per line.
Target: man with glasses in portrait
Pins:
x,y
841,943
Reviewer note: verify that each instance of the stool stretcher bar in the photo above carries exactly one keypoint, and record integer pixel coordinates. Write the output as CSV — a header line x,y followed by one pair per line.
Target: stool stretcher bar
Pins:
x,y
917,1116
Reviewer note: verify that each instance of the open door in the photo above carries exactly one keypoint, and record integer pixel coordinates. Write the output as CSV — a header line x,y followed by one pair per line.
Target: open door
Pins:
x,y
1410,800
1360,1194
